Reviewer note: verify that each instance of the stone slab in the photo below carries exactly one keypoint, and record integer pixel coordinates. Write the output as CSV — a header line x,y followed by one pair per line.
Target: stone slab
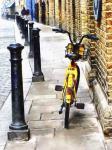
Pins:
x,y
27,105
4,125
48,132
37,96
74,141
87,123
46,102
2,147
44,109
22,145
87,112
109,144
46,124
52,116
33,116
41,90
3,138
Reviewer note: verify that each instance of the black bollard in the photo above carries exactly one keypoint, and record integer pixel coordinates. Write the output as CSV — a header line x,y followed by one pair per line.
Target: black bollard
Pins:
x,y
26,32
17,19
23,27
37,75
18,128
20,24
30,35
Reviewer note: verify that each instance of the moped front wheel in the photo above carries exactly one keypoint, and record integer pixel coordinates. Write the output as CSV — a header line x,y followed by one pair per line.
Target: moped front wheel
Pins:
x,y
67,110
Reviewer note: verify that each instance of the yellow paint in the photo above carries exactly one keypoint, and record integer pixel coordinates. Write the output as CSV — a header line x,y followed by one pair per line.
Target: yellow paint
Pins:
x,y
69,83
81,50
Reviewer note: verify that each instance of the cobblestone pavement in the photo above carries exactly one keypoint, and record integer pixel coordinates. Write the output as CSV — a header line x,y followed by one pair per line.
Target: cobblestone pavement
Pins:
x,y
6,37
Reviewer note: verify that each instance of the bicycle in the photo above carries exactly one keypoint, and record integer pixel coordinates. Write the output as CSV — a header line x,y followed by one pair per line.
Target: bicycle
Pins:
x,y
74,52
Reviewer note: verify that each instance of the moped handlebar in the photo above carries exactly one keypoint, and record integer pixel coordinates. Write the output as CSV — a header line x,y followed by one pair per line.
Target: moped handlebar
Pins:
x,y
59,30
88,36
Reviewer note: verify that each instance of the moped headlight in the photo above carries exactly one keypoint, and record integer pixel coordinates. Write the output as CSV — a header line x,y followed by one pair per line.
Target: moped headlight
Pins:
x,y
81,50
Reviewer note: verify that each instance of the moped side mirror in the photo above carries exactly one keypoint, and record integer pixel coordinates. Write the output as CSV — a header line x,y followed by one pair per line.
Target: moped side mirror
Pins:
x,y
92,37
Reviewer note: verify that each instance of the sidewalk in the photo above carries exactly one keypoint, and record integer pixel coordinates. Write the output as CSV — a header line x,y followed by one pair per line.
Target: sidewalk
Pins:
x,y
7,37
46,125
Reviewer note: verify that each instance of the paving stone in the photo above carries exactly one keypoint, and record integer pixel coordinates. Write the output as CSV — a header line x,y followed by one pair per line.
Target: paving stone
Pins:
x,y
88,111
83,94
27,106
44,109
79,121
2,98
1,104
93,141
4,125
3,138
46,102
5,116
41,90
84,99
2,147
70,142
52,116
46,124
43,132
109,144
33,116
29,145
35,96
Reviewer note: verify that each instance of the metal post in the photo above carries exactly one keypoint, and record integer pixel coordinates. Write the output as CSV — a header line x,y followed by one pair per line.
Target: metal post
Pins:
x,y
19,22
26,32
23,27
37,75
17,18
30,34
18,128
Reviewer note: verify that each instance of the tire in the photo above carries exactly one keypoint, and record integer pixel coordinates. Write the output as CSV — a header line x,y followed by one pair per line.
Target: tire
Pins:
x,y
67,110
78,78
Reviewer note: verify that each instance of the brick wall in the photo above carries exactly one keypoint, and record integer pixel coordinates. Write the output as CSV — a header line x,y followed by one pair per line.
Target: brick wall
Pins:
x,y
57,13
51,12
107,52
101,56
47,12
91,29
40,10
64,14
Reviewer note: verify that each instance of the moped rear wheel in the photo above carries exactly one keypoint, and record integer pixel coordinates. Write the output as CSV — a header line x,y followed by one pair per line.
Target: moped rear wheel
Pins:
x,y
67,110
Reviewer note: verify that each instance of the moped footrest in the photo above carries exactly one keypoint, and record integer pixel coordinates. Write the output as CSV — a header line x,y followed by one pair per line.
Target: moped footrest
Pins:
x,y
58,88
80,105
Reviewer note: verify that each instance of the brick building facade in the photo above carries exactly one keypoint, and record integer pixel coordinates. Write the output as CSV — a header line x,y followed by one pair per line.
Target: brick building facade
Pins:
x,y
77,17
